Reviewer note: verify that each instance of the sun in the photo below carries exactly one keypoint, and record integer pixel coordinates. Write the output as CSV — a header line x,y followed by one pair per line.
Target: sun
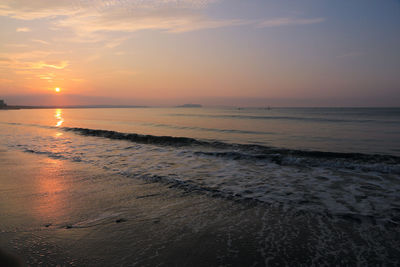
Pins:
x,y
57,89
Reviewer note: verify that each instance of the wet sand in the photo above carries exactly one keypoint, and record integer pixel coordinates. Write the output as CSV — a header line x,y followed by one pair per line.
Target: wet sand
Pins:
x,y
59,212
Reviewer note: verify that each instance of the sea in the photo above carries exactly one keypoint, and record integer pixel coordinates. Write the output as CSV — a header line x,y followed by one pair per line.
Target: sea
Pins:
x,y
339,163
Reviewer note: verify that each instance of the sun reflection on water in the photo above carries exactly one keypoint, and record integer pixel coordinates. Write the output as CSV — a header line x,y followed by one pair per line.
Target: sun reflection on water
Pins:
x,y
58,116
51,203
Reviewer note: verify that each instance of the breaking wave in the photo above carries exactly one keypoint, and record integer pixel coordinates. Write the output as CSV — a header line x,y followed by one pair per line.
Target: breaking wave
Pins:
x,y
281,156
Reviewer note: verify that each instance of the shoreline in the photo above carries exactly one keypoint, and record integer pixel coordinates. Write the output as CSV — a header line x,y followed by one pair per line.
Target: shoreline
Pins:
x,y
70,213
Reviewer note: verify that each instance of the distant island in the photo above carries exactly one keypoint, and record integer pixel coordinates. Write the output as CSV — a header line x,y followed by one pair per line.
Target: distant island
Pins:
x,y
190,106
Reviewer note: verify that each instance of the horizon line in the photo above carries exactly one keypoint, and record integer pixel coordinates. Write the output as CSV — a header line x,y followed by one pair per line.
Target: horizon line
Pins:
x,y
177,106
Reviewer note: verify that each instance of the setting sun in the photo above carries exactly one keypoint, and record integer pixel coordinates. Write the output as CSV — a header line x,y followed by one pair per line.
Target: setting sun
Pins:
x,y
57,89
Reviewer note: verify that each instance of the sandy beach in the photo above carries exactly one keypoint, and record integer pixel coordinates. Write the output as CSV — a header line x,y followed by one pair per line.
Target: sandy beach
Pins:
x,y
57,212
71,214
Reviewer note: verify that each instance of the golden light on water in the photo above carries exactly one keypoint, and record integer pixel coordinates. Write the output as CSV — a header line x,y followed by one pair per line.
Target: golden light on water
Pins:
x,y
50,184
58,116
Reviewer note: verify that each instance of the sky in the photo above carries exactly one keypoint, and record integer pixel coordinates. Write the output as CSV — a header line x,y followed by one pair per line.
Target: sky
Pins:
x,y
212,52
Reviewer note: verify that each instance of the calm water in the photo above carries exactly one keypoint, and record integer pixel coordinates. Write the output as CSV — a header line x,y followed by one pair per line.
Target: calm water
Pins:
x,y
337,161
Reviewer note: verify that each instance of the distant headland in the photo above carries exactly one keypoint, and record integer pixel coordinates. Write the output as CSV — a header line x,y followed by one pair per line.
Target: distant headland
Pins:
x,y
3,105
190,106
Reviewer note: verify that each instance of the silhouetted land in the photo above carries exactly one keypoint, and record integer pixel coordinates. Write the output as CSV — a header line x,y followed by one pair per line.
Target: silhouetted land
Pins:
x,y
190,106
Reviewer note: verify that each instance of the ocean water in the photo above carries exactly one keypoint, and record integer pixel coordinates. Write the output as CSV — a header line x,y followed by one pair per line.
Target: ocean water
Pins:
x,y
343,162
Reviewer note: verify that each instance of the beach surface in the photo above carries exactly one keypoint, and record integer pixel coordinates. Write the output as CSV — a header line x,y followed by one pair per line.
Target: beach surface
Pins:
x,y
68,213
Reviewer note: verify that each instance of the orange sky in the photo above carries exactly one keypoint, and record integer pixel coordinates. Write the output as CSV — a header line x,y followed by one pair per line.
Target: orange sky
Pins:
x,y
213,51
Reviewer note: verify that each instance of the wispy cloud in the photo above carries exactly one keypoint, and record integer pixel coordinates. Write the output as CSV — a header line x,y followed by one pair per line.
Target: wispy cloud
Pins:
x,y
52,65
40,41
35,65
99,16
30,55
24,29
47,76
128,16
286,21
127,23
28,9
31,61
